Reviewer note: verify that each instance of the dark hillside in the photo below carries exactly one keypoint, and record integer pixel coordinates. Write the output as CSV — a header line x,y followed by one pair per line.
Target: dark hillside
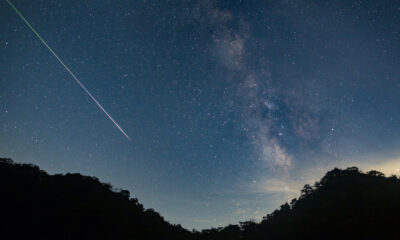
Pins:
x,y
35,205
344,204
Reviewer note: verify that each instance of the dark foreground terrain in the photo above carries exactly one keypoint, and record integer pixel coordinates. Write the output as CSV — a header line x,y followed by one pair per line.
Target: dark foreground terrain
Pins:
x,y
344,204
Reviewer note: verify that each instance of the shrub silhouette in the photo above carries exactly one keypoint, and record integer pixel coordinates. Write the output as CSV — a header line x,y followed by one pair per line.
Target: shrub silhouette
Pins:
x,y
344,204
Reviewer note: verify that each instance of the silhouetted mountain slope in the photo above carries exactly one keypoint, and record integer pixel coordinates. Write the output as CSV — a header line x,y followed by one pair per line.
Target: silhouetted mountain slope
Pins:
x,y
35,205
344,204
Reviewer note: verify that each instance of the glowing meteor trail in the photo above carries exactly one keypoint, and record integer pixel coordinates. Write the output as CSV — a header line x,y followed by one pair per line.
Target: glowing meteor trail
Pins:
x,y
68,70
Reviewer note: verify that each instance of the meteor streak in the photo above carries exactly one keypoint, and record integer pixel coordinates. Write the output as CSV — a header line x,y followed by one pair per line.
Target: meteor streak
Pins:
x,y
68,70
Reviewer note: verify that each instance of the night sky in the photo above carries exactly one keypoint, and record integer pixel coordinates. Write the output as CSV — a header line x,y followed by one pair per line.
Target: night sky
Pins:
x,y
232,106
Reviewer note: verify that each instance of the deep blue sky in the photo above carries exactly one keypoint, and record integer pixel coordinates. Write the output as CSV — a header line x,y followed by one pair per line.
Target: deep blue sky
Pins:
x,y
232,106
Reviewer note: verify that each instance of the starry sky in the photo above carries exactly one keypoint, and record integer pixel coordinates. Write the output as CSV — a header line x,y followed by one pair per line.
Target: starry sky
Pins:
x,y
232,106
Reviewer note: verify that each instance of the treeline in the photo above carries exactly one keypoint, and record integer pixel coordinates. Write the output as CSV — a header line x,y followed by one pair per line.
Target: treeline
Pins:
x,y
344,204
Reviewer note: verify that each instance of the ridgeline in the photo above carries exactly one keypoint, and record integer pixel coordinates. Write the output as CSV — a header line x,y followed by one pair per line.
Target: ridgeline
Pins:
x,y
344,204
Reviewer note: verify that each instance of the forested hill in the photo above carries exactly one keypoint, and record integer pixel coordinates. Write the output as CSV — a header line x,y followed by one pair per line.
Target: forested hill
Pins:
x,y
344,204
36,205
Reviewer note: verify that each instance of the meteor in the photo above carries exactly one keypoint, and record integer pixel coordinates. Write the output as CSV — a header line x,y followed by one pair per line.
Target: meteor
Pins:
x,y
67,69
